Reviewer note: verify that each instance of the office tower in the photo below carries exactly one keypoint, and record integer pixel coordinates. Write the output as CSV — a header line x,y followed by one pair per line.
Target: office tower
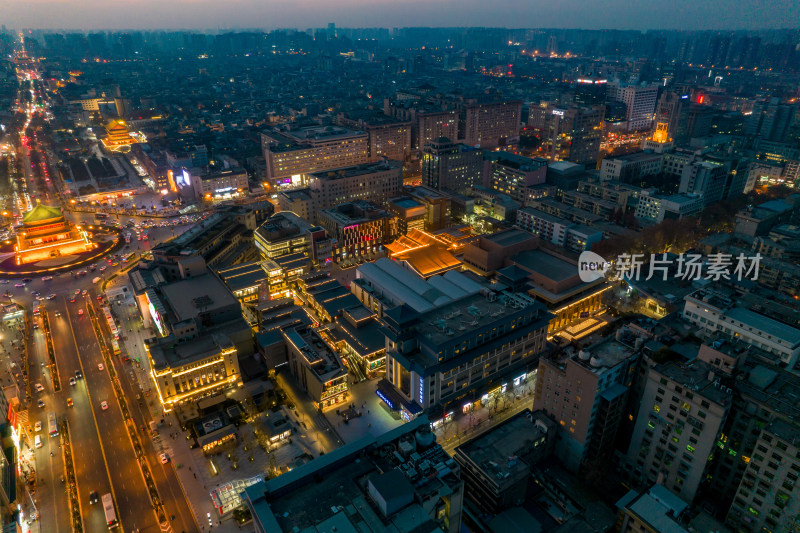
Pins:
x,y
493,124
375,182
451,166
673,109
331,30
512,174
586,394
590,91
292,154
705,178
699,121
770,120
552,45
640,103
569,133
682,416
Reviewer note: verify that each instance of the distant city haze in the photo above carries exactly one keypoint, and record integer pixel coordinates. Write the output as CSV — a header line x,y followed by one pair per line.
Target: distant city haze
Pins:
x,y
270,14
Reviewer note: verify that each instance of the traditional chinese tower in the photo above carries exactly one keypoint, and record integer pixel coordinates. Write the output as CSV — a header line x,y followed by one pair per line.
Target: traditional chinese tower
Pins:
x,y
45,233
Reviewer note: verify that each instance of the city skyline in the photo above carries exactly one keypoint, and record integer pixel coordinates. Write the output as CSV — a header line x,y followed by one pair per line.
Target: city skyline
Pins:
x,y
719,15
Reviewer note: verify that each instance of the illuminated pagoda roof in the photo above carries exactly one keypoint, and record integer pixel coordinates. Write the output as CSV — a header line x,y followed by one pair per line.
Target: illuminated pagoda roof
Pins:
x,y
117,134
42,214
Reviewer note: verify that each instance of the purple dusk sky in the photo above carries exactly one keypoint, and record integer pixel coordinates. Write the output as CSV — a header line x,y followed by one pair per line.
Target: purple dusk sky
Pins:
x,y
302,14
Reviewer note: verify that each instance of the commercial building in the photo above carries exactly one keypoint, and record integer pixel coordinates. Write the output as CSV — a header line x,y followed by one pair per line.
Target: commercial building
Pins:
x,y
46,234
673,109
358,228
630,168
640,103
224,238
317,368
716,314
677,428
291,154
455,355
586,393
384,284
424,253
410,213
497,465
201,336
491,251
220,186
492,124
437,206
760,219
286,233
513,174
374,182
568,133
417,488
451,166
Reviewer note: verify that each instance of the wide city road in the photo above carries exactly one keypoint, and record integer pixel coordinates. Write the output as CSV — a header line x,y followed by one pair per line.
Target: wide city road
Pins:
x,y
169,487
134,508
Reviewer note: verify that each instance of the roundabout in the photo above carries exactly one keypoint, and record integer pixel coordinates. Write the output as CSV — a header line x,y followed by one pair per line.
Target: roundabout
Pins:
x,y
47,243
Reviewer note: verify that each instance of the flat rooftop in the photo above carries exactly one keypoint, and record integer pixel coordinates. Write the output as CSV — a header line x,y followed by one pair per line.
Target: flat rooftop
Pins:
x,y
242,276
202,294
357,170
509,237
694,376
550,266
767,325
491,450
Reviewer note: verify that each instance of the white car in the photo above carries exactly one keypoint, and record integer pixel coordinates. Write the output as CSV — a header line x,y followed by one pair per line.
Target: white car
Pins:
x,y
100,367
3,281
39,387
47,278
164,458
19,284
103,405
72,381
37,427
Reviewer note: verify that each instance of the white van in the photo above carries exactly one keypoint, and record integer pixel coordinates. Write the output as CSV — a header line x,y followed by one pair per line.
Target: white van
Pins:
x,y
37,442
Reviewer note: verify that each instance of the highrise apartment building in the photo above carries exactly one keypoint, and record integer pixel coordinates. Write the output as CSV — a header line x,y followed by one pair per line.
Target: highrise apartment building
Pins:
x,y
682,413
489,125
451,166
586,393
569,133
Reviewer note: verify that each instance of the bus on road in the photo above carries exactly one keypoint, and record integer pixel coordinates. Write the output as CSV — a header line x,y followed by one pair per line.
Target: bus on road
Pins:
x,y
52,426
111,514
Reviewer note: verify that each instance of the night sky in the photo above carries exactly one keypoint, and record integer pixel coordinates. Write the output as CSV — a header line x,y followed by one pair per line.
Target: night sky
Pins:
x,y
302,14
